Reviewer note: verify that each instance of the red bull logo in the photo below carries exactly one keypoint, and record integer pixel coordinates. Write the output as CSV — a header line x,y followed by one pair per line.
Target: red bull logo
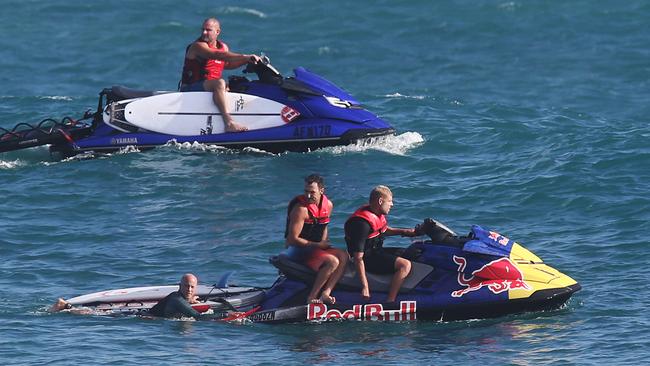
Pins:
x,y
372,312
498,238
498,276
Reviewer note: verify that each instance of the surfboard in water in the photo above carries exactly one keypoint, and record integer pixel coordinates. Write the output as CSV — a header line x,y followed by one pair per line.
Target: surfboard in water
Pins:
x,y
194,113
149,293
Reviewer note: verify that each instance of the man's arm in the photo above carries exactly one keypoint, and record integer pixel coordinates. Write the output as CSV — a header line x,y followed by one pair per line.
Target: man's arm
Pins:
x,y
360,266
201,49
356,233
178,305
390,231
297,219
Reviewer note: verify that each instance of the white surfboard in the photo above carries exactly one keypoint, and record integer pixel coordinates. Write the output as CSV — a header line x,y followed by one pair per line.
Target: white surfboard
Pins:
x,y
113,115
149,293
194,113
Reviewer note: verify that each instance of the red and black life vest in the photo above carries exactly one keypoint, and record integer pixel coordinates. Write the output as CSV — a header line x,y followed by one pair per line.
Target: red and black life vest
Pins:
x,y
378,226
199,69
319,216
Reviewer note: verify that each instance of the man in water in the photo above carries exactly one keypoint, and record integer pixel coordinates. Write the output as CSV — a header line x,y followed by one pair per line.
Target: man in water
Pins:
x,y
205,60
175,305
364,234
308,240
179,303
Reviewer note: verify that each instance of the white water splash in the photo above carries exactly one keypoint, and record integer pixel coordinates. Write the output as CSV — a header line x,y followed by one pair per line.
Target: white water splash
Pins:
x,y
197,146
10,164
402,96
129,149
56,97
238,10
393,144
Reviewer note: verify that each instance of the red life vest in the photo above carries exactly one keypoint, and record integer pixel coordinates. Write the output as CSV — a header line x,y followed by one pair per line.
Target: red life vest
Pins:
x,y
319,216
195,70
378,224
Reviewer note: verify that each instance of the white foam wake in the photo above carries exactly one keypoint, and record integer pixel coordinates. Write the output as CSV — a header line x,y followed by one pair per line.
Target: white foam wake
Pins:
x,y
238,10
197,146
392,144
10,164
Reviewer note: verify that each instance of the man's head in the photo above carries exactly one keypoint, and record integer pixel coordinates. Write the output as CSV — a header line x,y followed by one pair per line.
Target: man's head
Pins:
x,y
187,286
381,200
314,187
210,31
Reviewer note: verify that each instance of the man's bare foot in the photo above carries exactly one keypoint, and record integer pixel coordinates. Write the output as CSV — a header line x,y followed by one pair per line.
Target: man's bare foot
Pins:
x,y
327,299
235,127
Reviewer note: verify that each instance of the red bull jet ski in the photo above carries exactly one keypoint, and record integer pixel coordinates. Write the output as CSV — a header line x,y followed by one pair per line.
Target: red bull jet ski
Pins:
x,y
299,113
481,275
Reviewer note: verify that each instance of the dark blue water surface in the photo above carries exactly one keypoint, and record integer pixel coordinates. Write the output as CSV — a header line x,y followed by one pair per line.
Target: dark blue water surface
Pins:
x,y
530,118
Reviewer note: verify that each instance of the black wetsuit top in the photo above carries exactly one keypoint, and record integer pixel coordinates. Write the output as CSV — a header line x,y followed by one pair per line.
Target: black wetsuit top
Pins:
x,y
175,305
376,260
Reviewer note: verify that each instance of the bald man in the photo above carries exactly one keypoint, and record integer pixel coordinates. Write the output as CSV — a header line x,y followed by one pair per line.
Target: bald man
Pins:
x,y
179,303
205,60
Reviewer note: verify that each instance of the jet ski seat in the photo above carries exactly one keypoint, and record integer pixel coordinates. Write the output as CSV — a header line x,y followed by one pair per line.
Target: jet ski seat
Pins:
x,y
118,92
350,280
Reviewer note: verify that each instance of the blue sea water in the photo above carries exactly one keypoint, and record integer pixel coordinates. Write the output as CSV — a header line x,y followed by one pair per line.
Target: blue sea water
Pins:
x,y
530,118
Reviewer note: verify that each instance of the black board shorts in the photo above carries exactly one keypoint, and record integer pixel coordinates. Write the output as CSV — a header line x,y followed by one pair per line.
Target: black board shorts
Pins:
x,y
380,262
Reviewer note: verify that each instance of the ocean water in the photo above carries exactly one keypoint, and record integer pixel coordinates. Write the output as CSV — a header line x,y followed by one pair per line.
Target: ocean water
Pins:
x,y
530,118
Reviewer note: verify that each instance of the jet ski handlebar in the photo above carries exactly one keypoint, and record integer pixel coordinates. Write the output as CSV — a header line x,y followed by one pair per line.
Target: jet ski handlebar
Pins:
x,y
266,73
439,232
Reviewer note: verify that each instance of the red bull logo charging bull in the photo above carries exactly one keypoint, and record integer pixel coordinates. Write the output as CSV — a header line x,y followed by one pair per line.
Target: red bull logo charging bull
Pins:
x,y
498,276
373,312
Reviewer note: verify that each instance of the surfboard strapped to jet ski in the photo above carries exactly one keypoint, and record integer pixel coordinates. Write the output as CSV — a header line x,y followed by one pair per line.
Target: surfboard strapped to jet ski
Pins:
x,y
299,113
481,275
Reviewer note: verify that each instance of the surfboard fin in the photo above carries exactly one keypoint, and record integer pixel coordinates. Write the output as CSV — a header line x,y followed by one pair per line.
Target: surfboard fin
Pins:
x,y
223,281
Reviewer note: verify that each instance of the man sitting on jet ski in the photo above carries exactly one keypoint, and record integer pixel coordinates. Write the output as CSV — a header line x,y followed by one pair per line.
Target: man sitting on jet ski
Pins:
x,y
364,234
308,240
204,62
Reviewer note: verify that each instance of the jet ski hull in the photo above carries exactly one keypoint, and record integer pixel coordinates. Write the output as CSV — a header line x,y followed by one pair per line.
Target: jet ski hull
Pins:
x,y
301,113
483,275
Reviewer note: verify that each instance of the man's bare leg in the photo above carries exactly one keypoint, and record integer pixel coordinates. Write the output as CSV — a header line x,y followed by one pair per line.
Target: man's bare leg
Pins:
x,y
330,263
343,258
402,269
218,89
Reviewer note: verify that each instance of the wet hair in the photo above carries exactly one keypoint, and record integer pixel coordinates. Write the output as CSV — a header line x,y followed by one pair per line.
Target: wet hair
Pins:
x,y
379,191
315,178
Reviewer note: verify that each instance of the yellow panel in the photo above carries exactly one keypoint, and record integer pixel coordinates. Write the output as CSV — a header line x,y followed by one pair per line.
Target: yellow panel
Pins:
x,y
539,277
520,253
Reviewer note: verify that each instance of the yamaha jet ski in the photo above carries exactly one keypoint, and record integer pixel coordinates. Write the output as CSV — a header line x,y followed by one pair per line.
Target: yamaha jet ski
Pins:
x,y
481,275
299,113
